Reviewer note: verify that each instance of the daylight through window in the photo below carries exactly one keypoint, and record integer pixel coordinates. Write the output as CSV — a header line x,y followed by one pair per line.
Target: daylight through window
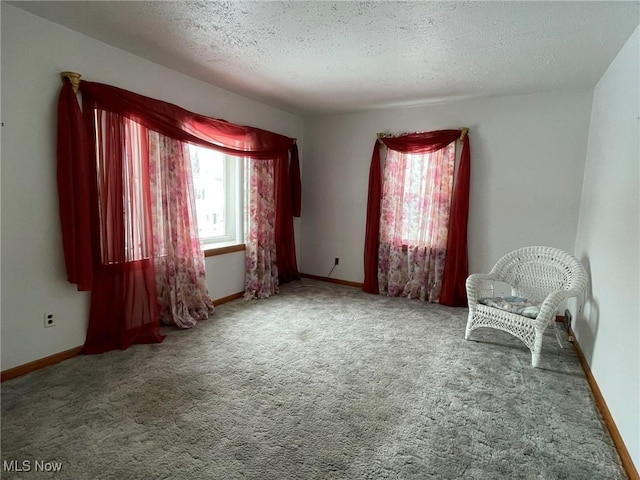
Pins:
x,y
217,185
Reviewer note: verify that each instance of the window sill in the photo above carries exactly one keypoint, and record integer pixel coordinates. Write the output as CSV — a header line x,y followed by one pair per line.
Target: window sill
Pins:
x,y
212,251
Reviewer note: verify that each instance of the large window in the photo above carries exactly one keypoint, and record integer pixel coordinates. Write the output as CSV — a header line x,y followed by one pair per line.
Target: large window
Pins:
x,y
218,190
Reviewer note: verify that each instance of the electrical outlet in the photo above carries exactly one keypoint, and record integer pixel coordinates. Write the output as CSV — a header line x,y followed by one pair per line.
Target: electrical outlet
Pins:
x,y
336,261
49,320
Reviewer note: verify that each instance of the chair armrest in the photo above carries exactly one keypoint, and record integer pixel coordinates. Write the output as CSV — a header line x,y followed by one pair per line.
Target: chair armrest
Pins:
x,y
474,283
550,305
482,276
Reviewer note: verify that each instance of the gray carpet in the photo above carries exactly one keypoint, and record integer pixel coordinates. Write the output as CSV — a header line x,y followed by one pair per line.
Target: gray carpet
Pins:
x,y
319,382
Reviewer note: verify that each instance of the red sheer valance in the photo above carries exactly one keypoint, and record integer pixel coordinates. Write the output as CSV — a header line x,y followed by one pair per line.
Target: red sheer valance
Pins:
x,y
456,265
426,142
186,126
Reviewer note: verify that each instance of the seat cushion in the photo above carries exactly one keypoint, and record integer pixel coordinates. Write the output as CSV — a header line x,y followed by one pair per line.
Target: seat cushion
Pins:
x,y
518,305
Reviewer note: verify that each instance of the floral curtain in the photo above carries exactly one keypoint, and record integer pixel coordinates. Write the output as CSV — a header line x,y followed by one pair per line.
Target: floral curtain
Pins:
x,y
415,207
179,265
261,277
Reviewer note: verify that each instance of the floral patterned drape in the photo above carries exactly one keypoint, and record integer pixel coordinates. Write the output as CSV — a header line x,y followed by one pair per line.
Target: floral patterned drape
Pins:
x,y
414,221
179,265
261,278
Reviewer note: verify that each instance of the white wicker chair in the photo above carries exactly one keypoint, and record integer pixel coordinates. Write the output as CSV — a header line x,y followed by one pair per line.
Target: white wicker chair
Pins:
x,y
543,275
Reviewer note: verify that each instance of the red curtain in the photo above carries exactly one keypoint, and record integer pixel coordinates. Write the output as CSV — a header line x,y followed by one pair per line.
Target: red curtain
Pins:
x,y
74,180
124,303
456,264
372,234
456,268
290,187
285,243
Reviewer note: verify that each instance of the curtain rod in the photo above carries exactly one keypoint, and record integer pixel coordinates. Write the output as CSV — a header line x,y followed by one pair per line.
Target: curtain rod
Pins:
x,y
74,79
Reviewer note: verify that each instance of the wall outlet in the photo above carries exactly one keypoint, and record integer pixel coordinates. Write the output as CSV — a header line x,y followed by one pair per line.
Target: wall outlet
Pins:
x,y
49,320
336,261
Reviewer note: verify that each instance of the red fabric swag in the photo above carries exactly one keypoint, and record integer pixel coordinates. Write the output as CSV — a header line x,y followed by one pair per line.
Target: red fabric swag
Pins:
x,y
421,142
176,122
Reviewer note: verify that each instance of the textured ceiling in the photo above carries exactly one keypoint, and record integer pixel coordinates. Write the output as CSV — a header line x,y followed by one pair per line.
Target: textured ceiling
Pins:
x,y
325,57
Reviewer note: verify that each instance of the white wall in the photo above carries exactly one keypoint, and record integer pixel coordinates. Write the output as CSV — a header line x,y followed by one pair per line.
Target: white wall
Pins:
x,y
527,160
34,51
608,243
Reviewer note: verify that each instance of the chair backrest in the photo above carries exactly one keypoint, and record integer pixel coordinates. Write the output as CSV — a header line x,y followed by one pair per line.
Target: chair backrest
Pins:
x,y
534,272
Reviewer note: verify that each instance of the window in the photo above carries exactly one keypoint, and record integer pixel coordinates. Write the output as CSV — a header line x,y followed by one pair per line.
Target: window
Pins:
x,y
218,187
416,198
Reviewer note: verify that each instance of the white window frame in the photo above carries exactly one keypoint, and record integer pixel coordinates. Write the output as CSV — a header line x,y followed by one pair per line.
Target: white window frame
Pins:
x,y
234,206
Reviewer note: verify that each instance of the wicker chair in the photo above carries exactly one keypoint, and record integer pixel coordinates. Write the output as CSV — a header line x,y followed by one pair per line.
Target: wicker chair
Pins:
x,y
544,275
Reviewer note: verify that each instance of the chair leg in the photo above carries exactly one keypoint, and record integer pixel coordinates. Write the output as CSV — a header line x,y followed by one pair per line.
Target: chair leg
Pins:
x,y
535,359
537,348
467,331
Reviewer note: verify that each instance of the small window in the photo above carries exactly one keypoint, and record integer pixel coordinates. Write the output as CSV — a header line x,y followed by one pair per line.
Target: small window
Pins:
x,y
217,183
